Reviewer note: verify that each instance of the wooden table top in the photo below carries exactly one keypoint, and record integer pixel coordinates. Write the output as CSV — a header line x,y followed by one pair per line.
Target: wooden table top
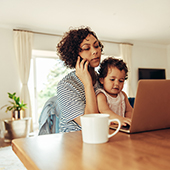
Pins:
x,y
140,151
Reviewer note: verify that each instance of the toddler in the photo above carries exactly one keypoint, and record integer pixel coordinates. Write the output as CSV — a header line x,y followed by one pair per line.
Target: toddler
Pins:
x,y
110,98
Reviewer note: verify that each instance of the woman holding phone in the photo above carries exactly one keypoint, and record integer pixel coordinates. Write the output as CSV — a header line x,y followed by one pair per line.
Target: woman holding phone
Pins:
x,y
79,49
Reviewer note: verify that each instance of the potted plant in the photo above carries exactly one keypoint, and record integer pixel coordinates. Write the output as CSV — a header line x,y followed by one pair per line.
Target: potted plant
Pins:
x,y
16,106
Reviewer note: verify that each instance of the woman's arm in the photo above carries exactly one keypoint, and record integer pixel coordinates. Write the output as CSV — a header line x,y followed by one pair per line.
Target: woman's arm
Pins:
x,y
104,108
83,74
85,77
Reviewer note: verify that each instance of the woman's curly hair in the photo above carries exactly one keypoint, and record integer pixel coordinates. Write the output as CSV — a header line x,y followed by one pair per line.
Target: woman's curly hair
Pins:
x,y
109,63
69,47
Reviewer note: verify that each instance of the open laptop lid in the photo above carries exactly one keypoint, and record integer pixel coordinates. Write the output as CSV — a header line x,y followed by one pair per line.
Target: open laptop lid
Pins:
x,y
152,106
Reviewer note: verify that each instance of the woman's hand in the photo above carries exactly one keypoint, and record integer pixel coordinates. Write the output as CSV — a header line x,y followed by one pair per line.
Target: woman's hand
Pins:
x,y
82,71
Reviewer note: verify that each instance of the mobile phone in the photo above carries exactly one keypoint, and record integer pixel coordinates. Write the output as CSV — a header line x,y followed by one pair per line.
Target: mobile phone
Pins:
x,y
80,58
84,62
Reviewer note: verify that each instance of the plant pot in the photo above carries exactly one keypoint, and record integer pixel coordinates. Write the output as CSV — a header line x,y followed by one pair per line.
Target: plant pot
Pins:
x,y
16,128
17,114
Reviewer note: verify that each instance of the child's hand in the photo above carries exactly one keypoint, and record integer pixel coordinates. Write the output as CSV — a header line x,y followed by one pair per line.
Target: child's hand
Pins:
x,y
124,121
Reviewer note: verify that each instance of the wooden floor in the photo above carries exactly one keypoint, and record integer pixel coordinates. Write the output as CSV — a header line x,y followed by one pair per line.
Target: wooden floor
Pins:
x,y
3,144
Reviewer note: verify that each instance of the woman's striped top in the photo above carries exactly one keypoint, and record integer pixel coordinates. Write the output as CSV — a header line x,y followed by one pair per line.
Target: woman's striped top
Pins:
x,y
71,102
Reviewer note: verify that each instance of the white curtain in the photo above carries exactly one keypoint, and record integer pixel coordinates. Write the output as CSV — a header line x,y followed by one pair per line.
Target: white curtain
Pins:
x,y
126,54
23,50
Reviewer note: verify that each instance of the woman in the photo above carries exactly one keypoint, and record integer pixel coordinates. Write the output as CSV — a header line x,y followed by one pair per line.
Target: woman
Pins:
x,y
79,49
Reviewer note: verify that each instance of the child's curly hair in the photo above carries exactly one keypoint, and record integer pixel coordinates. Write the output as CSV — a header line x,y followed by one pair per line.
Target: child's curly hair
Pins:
x,y
109,63
69,47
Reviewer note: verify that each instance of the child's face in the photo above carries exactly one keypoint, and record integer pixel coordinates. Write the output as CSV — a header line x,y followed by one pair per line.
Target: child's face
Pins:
x,y
91,50
114,81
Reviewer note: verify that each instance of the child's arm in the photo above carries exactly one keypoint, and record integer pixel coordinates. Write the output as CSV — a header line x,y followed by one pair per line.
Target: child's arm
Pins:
x,y
129,109
104,108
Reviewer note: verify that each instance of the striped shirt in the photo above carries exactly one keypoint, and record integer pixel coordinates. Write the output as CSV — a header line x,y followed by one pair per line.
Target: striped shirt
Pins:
x,y
71,102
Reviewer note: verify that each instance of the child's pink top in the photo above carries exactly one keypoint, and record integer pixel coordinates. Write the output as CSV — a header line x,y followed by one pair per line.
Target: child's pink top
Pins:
x,y
117,104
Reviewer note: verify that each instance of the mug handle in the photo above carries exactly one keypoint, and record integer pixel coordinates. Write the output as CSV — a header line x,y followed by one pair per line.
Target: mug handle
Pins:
x,y
119,126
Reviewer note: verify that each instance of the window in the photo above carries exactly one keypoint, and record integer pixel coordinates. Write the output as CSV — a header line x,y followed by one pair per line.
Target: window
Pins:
x,y
45,73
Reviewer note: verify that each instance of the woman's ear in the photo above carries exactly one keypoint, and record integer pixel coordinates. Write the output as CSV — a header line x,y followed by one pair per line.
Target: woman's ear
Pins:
x,y
101,80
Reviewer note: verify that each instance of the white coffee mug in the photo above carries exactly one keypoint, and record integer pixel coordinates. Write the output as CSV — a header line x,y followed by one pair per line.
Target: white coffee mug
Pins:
x,y
95,128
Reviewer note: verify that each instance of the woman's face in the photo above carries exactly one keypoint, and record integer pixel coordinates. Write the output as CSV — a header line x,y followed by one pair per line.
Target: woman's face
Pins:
x,y
91,50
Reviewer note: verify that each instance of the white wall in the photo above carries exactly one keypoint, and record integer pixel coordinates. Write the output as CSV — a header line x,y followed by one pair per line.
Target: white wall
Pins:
x,y
111,49
45,42
143,55
147,56
168,61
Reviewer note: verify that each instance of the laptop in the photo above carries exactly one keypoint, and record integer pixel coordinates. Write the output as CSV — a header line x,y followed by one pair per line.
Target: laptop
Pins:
x,y
151,107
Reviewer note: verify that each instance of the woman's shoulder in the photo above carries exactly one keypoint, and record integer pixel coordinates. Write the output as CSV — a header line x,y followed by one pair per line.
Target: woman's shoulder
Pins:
x,y
70,77
70,81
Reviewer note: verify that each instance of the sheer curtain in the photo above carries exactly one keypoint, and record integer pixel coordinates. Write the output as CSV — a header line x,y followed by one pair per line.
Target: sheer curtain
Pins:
x,y
126,54
23,50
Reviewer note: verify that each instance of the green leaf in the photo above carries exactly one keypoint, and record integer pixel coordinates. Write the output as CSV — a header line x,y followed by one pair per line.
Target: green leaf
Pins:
x,y
16,104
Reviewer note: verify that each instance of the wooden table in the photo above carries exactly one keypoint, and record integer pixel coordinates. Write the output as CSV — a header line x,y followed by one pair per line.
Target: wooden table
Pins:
x,y
140,151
